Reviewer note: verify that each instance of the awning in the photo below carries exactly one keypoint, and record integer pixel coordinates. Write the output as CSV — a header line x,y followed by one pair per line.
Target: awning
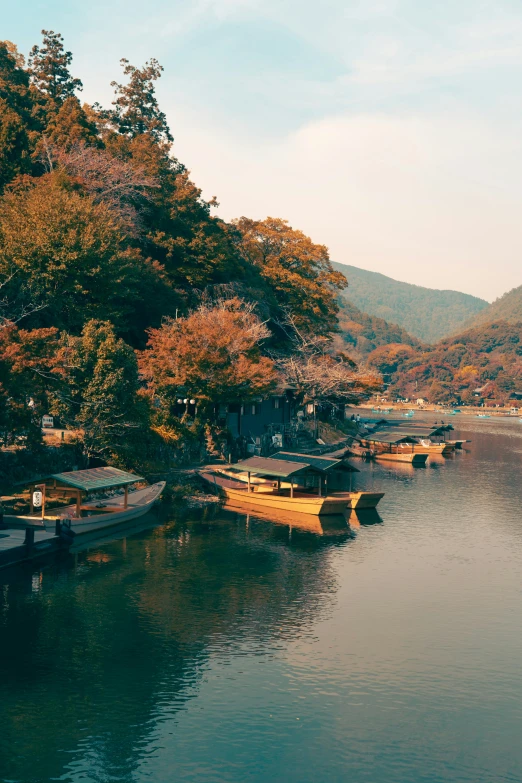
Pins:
x,y
96,478
266,466
321,464
390,436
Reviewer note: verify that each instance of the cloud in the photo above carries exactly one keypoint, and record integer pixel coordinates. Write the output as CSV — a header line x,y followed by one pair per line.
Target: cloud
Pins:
x,y
431,199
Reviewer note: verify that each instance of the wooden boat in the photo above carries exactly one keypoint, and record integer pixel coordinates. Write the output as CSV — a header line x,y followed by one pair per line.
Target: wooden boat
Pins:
x,y
95,519
394,446
457,444
414,458
272,495
94,514
268,497
429,447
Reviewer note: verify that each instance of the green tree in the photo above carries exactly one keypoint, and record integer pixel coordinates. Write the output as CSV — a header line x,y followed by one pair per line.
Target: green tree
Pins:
x,y
99,391
15,115
51,78
136,108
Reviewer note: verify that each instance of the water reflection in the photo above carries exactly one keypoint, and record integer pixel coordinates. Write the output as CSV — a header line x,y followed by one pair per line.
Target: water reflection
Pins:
x,y
228,647
332,524
113,633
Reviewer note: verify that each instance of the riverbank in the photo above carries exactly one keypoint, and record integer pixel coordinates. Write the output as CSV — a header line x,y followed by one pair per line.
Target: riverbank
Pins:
x,y
465,410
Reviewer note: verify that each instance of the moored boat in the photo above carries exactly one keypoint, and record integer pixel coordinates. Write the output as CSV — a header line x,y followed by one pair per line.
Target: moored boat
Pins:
x,y
90,513
286,486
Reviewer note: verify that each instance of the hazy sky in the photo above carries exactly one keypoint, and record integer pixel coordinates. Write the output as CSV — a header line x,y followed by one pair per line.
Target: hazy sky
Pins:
x,y
389,130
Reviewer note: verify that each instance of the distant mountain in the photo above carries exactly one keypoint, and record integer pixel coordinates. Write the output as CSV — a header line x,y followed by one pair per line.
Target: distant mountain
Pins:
x,y
507,308
480,364
360,333
426,313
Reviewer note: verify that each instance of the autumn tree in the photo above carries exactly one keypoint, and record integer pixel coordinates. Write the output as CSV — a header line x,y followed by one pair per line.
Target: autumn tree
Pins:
x,y
122,185
299,274
98,393
212,355
387,359
71,255
323,377
71,126
26,373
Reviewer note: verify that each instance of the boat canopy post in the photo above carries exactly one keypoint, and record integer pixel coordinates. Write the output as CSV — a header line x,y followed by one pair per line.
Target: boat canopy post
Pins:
x,y
78,503
126,497
319,487
291,487
248,481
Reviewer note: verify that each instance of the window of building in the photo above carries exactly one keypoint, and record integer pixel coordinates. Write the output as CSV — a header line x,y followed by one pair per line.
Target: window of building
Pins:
x,y
254,409
276,402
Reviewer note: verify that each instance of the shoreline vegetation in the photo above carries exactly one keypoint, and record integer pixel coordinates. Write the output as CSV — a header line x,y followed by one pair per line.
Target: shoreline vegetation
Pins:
x,y
130,312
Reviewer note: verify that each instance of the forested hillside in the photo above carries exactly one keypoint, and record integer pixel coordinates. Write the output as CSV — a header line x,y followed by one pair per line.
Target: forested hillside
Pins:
x,y
487,358
128,308
426,313
362,333
507,308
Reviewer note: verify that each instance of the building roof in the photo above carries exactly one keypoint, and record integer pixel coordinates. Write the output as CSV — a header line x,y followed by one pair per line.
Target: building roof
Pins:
x,y
319,463
265,466
96,478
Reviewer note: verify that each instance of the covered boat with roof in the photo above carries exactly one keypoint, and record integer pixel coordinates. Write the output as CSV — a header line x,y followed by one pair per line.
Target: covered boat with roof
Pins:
x,y
101,497
286,481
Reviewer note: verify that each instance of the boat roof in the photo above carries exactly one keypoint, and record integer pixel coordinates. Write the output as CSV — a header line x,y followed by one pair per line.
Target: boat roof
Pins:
x,y
391,436
96,478
417,432
321,463
268,466
420,425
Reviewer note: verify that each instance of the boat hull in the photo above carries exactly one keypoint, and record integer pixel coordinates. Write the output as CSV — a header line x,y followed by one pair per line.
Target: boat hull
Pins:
x,y
412,458
262,496
434,448
138,506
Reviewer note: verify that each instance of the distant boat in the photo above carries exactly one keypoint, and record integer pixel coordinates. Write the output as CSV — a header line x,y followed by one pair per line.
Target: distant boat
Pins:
x,y
483,416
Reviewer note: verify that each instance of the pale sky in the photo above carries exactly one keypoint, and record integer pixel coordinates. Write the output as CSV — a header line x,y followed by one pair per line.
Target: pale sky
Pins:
x,y
389,130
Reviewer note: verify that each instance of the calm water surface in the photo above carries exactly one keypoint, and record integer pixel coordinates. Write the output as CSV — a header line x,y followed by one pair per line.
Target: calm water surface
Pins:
x,y
221,648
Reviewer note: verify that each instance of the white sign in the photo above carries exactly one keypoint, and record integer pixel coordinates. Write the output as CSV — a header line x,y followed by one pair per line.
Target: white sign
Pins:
x,y
48,421
37,499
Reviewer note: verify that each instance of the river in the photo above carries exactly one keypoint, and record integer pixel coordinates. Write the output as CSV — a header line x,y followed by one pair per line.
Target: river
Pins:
x,y
221,648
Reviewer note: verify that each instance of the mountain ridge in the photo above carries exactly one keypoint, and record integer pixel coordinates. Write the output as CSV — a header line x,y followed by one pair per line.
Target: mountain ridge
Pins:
x,y
429,314
507,307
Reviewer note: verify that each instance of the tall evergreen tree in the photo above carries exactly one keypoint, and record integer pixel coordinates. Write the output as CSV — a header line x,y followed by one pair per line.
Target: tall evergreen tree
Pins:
x,y
137,109
49,70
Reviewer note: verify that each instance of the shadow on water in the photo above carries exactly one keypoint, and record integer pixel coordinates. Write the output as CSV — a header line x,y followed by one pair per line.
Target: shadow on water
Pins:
x,y
93,645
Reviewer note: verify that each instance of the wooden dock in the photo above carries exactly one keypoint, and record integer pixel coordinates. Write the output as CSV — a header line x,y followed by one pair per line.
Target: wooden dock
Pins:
x,y
19,545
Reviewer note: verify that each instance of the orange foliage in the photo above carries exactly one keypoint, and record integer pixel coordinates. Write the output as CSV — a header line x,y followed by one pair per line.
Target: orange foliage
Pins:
x,y
212,355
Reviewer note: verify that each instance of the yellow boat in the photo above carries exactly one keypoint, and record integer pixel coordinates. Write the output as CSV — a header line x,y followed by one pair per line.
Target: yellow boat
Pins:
x,y
270,494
